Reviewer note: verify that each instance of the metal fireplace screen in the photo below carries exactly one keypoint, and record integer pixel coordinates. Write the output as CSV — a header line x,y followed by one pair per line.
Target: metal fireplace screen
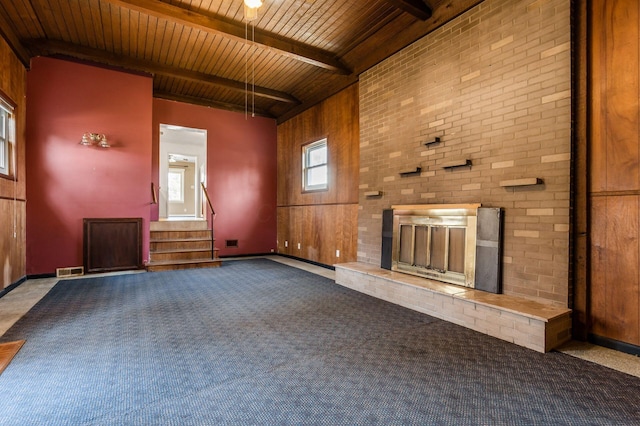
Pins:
x,y
437,242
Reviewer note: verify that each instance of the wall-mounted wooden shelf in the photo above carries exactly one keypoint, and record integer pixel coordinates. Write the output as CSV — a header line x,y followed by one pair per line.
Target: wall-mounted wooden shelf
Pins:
x,y
521,182
417,171
436,141
457,163
371,194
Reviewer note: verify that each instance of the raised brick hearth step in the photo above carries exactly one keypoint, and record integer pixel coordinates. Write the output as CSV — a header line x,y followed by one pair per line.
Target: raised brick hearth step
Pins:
x,y
525,322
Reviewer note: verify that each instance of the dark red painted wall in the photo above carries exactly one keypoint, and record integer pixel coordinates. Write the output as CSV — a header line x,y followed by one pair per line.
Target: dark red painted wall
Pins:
x,y
67,182
241,172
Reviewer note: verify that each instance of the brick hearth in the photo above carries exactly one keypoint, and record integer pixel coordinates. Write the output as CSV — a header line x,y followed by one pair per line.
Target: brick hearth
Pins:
x,y
534,325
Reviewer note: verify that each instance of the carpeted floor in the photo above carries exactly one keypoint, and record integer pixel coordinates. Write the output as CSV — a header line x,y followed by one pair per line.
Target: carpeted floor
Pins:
x,y
258,342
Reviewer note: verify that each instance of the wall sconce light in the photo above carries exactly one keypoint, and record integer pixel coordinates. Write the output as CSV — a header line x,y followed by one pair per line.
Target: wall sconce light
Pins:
x,y
98,139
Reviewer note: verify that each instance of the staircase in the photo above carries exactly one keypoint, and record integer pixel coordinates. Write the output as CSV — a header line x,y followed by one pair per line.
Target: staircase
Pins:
x,y
181,245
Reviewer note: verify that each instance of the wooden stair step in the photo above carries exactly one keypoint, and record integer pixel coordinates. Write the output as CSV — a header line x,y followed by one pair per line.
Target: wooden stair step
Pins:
x,y
182,250
165,245
182,264
182,254
178,225
164,240
165,235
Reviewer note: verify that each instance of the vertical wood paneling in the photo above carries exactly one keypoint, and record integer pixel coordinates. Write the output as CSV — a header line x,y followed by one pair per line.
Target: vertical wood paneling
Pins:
x,y
621,99
597,148
12,249
622,289
296,218
320,230
598,301
347,225
614,292
579,277
324,221
337,120
12,192
345,155
283,229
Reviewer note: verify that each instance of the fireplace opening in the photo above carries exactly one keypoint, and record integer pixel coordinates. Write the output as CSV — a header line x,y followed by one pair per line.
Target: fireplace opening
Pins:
x,y
433,247
442,242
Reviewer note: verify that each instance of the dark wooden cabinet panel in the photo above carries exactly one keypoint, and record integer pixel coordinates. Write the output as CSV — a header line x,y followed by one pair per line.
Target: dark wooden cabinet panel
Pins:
x,y
112,244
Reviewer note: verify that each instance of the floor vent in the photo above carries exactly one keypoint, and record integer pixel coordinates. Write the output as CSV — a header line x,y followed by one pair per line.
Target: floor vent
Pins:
x,y
73,271
231,243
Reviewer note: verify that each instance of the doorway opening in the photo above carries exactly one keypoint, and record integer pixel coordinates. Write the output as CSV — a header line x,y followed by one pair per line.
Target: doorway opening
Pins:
x,y
183,156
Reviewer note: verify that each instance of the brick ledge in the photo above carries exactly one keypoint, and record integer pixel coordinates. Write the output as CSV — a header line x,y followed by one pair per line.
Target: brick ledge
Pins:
x,y
518,320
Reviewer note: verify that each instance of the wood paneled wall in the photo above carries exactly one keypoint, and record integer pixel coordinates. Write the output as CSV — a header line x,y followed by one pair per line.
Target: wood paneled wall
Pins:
x,y
324,221
13,79
614,170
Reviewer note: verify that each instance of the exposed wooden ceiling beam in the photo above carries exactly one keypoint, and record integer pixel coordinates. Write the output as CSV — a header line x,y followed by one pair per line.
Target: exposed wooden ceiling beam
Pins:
x,y
14,43
208,102
89,54
227,28
415,7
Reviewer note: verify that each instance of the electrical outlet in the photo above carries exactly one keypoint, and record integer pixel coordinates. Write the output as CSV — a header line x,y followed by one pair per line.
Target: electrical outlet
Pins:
x,y
298,246
286,243
337,253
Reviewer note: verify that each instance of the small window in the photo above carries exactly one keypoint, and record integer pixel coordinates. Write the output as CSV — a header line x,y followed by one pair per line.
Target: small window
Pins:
x,y
176,185
314,166
7,135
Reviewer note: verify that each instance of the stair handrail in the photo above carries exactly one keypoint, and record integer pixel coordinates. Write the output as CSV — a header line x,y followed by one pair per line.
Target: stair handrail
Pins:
x,y
154,194
213,216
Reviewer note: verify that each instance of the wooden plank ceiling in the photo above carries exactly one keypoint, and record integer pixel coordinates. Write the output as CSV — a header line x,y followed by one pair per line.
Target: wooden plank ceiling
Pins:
x,y
294,55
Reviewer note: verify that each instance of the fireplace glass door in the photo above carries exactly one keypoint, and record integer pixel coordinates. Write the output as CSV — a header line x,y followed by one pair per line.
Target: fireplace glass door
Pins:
x,y
433,247
441,248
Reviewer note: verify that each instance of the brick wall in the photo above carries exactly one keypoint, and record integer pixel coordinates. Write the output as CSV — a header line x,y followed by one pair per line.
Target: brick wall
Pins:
x,y
494,84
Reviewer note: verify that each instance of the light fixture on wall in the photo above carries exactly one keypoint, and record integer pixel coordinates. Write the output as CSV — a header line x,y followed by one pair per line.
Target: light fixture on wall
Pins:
x,y
98,139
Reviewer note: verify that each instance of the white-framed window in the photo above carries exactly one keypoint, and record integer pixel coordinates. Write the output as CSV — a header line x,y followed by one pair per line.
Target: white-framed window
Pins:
x,y
176,185
315,171
7,136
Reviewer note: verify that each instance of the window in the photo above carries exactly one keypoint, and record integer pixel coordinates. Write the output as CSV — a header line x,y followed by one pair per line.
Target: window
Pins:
x,y
7,133
314,166
176,185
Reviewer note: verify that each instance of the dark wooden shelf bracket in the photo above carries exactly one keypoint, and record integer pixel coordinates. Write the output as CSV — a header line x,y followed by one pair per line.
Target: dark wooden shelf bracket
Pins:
x,y
417,171
436,141
521,182
458,163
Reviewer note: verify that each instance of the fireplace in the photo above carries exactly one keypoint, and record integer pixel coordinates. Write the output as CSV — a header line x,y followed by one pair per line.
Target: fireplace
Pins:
x,y
455,243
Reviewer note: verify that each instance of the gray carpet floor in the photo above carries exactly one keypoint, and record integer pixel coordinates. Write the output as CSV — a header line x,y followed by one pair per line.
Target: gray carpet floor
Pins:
x,y
258,342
